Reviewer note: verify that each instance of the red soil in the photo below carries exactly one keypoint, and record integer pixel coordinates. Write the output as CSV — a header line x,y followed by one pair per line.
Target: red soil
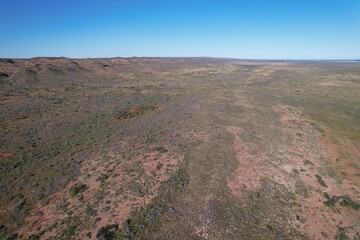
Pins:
x,y
135,110
123,117
247,175
121,205
6,155
320,218
130,113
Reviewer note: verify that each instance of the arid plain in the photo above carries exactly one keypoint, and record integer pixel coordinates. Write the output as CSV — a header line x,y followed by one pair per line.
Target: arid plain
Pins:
x,y
179,148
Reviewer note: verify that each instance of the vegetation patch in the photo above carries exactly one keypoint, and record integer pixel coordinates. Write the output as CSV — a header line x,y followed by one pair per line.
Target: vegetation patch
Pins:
x,y
161,149
146,219
4,74
343,201
108,232
320,180
308,162
341,234
78,188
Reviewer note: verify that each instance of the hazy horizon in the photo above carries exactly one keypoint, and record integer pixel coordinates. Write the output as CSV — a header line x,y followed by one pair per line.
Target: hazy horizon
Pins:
x,y
170,57
257,30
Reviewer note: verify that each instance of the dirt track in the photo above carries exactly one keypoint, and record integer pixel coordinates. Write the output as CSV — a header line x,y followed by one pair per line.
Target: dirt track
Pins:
x,y
179,148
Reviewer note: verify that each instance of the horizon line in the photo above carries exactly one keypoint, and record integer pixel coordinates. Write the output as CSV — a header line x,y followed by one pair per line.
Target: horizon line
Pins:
x,y
193,57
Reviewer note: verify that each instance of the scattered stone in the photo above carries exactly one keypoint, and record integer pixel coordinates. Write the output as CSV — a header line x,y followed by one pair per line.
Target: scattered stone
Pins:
x,y
300,219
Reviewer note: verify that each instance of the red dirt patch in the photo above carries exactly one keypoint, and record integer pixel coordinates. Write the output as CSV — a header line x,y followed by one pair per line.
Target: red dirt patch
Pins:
x,y
118,182
6,155
122,117
308,146
135,111
247,175
296,166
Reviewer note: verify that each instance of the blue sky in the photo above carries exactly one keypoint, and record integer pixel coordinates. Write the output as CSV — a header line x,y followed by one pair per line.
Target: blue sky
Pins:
x,y
256,29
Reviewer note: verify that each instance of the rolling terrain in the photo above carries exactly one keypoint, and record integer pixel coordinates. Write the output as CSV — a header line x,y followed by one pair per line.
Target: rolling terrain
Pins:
x,y
179,148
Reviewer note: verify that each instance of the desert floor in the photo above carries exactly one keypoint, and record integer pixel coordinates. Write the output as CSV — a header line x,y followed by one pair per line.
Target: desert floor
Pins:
x,y
179,148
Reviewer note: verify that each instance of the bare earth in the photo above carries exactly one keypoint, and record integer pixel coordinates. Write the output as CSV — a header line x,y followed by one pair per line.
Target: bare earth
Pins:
x,y
182,148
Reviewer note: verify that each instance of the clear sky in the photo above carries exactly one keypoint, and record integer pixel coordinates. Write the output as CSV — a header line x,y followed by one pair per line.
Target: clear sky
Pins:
x,y
256,29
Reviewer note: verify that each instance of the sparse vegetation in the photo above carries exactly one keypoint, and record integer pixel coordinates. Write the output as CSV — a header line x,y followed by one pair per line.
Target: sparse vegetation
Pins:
x,y
209,148
78,188
320,180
